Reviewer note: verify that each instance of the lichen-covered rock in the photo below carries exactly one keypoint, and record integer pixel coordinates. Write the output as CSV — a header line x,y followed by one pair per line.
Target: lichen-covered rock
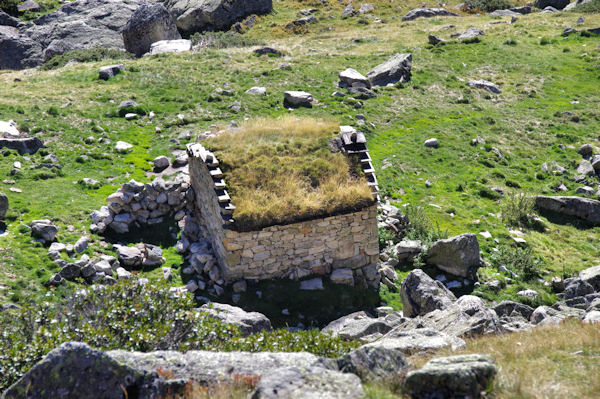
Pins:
x,y
373,363
421,294
247,322
451,377
428,13
76,370
417,341
360,325
466,317
311,382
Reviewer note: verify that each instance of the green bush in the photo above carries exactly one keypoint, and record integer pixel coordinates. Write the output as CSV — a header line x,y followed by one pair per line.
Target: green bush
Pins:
x,y
136,317
420,226
486,5
223,40
85,55
520,260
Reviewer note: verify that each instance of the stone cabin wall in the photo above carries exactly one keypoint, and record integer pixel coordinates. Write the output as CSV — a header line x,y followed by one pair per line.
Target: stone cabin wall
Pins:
x,y
346,243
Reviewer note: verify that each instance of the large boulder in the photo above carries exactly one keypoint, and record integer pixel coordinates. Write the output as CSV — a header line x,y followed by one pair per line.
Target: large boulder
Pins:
x,y
373,363
457,255
394,70
44,229
452,377
558,4
360,325
428,13
421,294
583,208
209,15
24,145
7,20
416,341
150,23
590,275
18,51
466,317
76,370
247,322
312,382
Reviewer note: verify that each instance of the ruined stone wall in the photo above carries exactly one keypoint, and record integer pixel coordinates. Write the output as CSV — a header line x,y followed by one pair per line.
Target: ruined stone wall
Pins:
x,y
297,250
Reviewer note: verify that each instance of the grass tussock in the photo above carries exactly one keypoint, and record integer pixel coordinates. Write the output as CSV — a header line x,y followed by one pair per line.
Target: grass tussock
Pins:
x,y
547,362
280,171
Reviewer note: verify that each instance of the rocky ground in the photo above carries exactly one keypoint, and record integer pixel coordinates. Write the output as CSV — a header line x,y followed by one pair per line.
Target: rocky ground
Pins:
x,y
483,133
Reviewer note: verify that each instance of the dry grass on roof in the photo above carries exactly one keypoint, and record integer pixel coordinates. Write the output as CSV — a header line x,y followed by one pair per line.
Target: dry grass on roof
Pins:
x,y
280,171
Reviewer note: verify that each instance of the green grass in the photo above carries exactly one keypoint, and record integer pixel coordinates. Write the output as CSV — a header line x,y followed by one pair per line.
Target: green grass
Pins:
x,y
67,105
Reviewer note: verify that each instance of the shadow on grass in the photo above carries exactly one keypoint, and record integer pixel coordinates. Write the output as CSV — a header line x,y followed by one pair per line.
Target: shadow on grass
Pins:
x,y
561,219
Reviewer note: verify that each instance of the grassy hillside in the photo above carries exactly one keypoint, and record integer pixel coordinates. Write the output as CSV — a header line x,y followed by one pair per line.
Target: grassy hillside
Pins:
x,y
549,98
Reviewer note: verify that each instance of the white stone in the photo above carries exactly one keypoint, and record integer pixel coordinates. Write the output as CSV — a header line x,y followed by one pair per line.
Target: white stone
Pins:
x,y
170,46
9,129
485,234
592,317
531,294
123,146
257,90
123,274
433,142
130,116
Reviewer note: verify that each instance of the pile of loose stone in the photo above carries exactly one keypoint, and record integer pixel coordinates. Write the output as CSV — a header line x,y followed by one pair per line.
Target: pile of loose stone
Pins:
x,y
135,205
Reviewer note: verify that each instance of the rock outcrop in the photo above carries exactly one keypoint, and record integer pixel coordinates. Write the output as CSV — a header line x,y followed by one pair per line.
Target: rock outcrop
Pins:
x,y
148,24
421,294
428,13
82,24
451,377
209,15
585,209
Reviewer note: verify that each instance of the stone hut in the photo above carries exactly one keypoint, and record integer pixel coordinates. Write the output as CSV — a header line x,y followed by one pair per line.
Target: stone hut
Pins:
x,y
343,246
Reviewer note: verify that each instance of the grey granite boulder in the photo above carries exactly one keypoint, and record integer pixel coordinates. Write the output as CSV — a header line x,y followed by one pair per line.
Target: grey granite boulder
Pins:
x,y
373,363
428,13
44,229
311,382
297,99
452,377
107,72
350,76
247,322
360,325
582,208
209,15
468,316
149,23
395,69
485,85
457,255
76,370
591,276
25,145
421,294
416,341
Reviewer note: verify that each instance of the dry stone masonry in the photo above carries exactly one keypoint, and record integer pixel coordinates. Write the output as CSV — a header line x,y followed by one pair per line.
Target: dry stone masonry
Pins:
x,y
344,247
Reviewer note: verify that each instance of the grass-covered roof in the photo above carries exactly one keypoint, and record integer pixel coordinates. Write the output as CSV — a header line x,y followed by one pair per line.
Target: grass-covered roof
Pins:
x,y
280,171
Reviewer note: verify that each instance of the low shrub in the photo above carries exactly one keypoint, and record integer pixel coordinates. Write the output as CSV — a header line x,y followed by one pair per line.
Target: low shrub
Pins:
x,y
518,211
135,317
522,261
85,55
223,40
420,226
